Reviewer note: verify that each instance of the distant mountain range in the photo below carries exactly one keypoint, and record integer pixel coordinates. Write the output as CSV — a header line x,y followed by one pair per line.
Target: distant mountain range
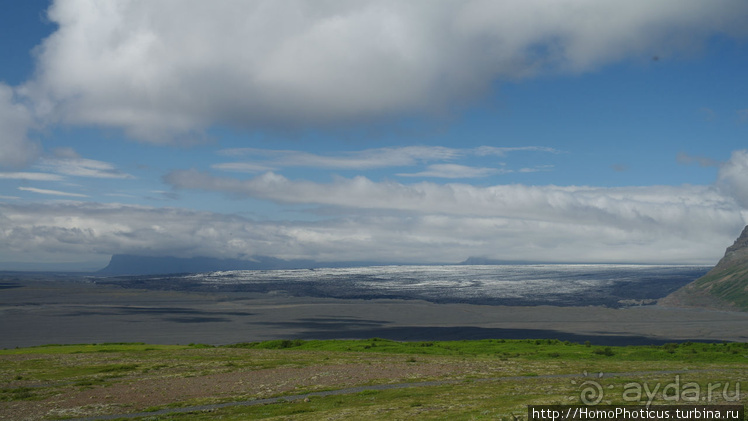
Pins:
x,y
128,264
723,287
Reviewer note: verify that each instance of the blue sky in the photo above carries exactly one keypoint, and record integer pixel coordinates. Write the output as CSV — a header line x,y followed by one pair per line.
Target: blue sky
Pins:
x,y
568,131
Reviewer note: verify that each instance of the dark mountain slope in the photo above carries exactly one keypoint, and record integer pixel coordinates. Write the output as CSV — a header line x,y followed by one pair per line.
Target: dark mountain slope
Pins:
x,y
725,286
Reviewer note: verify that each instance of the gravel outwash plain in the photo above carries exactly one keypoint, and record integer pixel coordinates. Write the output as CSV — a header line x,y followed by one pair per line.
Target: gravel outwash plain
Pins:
x,y
38,309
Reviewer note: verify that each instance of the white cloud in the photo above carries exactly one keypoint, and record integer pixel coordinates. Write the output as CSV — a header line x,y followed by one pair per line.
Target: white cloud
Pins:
x,y
503,151
31,176
270,160
733,177
66,161
703,161
80,167
454,171
537,168
657,209
163,195
242,167
366,159
51,192
90,229
166,69
16,150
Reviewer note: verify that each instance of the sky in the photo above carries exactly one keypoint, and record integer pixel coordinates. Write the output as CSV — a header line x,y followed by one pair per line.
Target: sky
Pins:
x,y
402,132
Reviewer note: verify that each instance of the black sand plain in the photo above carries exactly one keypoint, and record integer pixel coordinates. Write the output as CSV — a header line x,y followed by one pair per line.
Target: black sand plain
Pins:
x,y
38,309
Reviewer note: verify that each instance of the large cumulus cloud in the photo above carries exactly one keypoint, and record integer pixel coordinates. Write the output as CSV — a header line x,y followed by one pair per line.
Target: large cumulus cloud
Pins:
x,y
170,68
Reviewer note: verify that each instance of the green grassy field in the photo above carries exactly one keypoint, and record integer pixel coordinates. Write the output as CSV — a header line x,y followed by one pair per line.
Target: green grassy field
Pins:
x,y
487,379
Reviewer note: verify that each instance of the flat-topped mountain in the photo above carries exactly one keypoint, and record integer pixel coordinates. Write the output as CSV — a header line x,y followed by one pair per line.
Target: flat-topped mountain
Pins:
x,y
725,286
